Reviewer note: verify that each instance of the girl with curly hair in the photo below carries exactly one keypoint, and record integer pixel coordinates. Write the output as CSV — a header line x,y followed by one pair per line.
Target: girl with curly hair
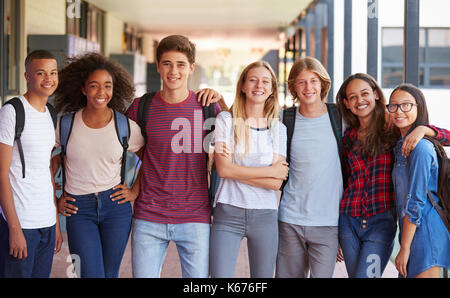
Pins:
x,y
96,204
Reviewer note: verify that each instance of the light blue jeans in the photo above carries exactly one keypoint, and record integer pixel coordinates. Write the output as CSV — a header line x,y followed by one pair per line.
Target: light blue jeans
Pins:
x,y
150,241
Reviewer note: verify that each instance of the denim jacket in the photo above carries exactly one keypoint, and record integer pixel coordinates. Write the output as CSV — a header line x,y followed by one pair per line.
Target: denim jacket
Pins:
x,y
412,178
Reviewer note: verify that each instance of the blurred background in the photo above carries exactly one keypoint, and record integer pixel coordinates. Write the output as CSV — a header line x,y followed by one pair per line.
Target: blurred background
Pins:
x,y
393,40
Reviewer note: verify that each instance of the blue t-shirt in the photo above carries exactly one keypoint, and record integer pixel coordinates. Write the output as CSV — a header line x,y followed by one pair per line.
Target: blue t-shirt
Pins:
x,y
314,190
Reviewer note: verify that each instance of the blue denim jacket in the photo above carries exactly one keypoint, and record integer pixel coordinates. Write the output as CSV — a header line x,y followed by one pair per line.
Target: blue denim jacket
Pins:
x,y
412,178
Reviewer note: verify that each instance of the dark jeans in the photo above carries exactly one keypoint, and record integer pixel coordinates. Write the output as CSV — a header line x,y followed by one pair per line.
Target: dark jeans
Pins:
x,y
40,250
98,234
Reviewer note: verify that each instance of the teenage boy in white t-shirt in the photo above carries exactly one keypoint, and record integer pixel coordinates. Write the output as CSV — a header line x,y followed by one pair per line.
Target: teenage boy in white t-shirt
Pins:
x,y
29,227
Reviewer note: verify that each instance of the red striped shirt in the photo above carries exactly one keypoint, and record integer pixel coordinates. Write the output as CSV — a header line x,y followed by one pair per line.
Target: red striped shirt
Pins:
x,y
174,186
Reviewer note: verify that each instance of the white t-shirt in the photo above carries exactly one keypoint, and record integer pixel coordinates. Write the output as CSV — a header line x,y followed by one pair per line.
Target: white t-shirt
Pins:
x,y
94,156
263,145
33,195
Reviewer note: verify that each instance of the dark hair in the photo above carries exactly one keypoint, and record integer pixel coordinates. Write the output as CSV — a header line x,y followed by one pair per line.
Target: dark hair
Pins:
x,y
178,43
69,97
38,54
422,111
379,139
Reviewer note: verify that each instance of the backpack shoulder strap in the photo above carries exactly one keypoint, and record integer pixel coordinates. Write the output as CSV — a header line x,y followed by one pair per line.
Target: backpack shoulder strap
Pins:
x,y
289,121
336,122
213,178
53,113
20,124
65,129
143,107
123,133
209,113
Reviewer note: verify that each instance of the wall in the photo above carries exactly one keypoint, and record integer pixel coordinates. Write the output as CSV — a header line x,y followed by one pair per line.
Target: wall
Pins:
x,y
45,16
113,34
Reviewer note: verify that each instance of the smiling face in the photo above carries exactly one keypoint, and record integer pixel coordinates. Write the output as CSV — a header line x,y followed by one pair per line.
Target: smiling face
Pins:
x,y
98,89
258,85
360,98
42,77
174,68
403,120
308,87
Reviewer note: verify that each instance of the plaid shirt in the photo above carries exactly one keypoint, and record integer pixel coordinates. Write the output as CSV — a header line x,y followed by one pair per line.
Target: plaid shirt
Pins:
x,y
370,189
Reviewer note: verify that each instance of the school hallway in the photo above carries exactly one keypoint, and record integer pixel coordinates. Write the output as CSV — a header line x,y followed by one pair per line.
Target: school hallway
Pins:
x,y
171,268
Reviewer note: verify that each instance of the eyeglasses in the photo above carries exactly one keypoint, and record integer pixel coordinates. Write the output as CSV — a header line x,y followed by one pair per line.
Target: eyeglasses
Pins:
x,y
404,107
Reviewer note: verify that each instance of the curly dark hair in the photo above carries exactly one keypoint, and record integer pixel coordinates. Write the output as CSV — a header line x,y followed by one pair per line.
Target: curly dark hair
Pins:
x,y
69,97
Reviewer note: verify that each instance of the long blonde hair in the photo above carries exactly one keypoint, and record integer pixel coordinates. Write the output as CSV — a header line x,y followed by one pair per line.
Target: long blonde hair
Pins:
x,y
241,127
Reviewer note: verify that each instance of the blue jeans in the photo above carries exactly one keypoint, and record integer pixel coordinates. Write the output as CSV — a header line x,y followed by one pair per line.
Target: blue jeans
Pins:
x,y
40,250
231,224
98,234
367,243
150,241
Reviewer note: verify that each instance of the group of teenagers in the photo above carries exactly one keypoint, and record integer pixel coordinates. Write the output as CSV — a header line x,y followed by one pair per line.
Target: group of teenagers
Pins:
x,y
344,191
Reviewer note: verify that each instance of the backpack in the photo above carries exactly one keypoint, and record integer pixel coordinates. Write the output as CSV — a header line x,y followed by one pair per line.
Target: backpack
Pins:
x,y
443,191
122,126
289,115
208,112
20,124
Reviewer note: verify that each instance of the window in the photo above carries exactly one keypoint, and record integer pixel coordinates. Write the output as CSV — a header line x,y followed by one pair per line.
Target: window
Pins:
x,y
9,47
434,57
86,22
133,40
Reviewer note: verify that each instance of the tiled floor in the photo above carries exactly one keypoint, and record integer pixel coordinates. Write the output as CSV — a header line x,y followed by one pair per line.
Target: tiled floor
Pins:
x,y
171,268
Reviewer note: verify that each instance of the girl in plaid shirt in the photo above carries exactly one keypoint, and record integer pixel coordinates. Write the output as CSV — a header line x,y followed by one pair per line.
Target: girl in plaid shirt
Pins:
x,y
367,222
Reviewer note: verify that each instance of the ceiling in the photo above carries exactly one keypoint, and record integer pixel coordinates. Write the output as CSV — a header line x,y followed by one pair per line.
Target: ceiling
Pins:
x,y
215,23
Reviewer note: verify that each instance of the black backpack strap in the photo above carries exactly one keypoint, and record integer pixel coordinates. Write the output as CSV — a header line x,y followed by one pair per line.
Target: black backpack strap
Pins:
x,y
53,113
20,124
209,113
289,121
142,114
336,124
123,133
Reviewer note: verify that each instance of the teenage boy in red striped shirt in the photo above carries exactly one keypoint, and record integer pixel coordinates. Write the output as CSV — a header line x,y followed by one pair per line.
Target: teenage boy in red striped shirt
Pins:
x,y
173,202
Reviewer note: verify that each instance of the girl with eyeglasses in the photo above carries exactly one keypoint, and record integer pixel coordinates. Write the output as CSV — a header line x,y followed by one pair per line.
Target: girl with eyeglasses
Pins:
x,y
367,221
425,241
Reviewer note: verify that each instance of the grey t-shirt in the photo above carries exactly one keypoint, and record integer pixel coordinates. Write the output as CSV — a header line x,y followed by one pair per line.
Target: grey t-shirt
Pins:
x,y
264,143
314,190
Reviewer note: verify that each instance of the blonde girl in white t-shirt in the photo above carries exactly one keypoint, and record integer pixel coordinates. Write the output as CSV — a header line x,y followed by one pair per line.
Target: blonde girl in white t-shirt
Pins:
x,y
246,198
